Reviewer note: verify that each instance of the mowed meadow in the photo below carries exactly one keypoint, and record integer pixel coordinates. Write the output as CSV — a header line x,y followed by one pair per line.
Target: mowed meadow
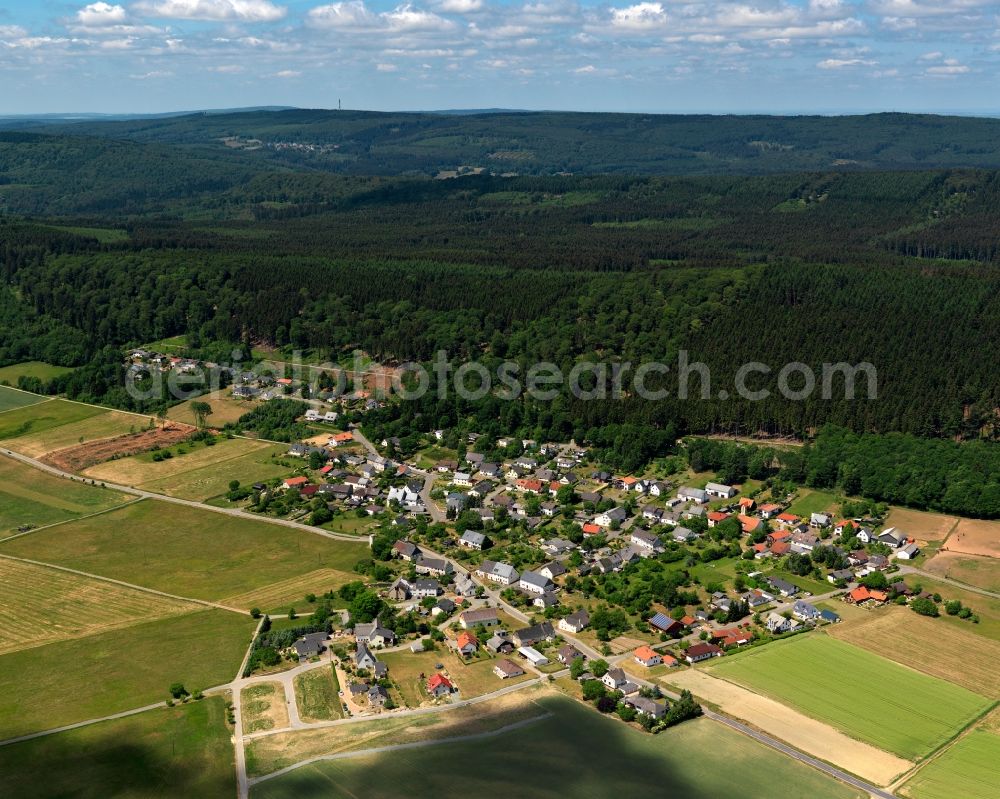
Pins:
x,y
200,473
11,399
44,427
29,496
201,554
74,680
869,697
42,604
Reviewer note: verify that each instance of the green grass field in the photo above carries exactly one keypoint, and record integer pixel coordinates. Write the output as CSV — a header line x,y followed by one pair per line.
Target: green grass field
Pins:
x,y
810,501
575,753
19,425
43,371
29,496
174,752
11,399
967,770
86,678
186,551
868,697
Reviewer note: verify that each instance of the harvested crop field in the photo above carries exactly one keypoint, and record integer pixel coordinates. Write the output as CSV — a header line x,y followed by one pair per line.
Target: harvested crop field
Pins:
x,y
974,570
811,736
893,708
928,645
82,456
974,537
40,605
278,596
921,525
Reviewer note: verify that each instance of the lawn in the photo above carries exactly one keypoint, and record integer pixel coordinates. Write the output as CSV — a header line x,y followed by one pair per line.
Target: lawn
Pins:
x,y
38,417
316,695
575,752
967,770
181,751
69,681
40,605
30,496
43,371
185,551
201,473
986,608
892,707
11,399
810,501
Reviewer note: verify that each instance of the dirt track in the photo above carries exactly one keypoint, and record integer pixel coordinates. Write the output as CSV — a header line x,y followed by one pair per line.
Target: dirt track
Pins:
x,y
78,458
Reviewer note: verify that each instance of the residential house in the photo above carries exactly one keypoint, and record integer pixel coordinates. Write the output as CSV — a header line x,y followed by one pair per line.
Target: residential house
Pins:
x,y
647,707
507,669
425,587
783,587
552,569
777,623
535,583
908,552
819,520
363,657
406,550
567,653
648,657
472,540
611,517
537,633
498,572
682,535
575,622
769,510
840,574
646,542
462,479
310,645
702,651
804,611
614,679
374,634
439,685
466,644
437,567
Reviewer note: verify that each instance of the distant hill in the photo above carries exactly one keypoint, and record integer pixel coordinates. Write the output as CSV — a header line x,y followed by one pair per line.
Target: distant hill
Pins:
x,y
531,143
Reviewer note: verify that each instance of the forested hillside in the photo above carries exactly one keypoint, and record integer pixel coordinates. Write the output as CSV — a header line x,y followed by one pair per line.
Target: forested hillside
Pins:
x,y
533,143
121,243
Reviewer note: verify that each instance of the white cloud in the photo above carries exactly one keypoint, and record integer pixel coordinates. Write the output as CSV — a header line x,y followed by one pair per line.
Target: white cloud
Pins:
x,y
99,15
640,17
460,6
386,68
355,15
841,63
947,71
12,32
288,73
215,10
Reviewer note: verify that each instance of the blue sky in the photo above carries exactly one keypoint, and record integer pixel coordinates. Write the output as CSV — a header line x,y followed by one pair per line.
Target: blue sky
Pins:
x,y
826,56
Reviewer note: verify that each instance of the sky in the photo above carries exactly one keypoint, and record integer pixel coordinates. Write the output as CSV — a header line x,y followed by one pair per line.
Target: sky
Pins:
x,y
663,56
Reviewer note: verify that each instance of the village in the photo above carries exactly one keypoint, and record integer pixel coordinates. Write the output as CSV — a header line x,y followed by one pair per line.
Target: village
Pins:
x,y
498,571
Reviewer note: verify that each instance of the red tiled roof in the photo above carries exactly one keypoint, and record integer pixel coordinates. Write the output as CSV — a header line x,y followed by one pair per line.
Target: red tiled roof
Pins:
x,y
646,653
591,529
780,547
438,680
292,482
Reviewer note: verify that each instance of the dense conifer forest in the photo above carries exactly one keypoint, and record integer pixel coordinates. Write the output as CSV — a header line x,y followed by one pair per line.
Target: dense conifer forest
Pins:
x,y
131,234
